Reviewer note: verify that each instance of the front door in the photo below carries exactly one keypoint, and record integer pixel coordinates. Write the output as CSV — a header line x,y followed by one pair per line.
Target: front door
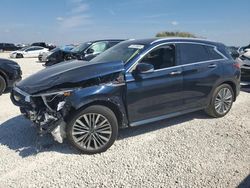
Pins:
x,y
158,93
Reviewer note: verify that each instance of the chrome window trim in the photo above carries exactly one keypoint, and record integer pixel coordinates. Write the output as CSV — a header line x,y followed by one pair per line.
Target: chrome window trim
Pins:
x,y
183,42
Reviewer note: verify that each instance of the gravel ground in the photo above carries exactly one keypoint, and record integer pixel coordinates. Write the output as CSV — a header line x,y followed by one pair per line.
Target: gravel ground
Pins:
x,y
188,151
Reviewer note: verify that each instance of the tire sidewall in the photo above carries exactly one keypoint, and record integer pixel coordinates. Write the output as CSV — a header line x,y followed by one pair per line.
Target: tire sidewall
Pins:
x,y
106,112
217,90
19,55
2,85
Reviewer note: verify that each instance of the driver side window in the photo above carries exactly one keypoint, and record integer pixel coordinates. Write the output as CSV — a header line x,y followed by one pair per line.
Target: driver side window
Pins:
x,y
161,57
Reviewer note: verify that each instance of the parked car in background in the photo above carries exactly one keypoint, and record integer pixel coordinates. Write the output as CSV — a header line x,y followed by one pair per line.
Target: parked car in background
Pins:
x,y
20,46
244,61
45,45
233,51
10,73
31,51
85,51
8,47
134,83
242,49
55,53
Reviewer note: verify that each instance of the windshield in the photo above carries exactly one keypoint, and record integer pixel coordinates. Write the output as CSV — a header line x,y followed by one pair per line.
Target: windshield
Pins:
x,y
124,51
22,49
81,47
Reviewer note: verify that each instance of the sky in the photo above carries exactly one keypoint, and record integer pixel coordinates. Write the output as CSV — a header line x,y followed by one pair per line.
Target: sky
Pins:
x,y
75,21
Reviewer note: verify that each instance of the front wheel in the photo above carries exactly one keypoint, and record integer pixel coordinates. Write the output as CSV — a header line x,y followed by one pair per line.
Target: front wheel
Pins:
x,y
93,130
221,101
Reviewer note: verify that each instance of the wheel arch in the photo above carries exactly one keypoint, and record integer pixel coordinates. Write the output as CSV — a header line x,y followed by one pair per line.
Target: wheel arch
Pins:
x,y
116,108
233,86
229,82
5,77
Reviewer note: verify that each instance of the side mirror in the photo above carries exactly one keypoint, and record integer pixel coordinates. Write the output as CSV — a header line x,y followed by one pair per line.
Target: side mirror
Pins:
x,y
143,68
90,51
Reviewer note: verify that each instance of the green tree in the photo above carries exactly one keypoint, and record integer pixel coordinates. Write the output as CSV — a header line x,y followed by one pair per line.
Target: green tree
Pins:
x,y
175,34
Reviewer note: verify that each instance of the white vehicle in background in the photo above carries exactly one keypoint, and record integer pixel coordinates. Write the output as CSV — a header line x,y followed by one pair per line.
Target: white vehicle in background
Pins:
x,y
244,59
31,51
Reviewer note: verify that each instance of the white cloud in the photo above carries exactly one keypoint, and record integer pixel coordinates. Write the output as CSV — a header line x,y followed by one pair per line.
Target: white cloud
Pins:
x,y
111,11
7,31
175,23
75,21
77,15
59,18
153,16
79,9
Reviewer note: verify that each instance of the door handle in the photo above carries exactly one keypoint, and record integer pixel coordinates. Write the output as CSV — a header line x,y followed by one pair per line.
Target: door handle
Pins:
x,y
212,66
175,73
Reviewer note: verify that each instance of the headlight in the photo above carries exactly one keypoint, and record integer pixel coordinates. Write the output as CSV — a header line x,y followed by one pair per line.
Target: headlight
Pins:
x,y
65,93
17,98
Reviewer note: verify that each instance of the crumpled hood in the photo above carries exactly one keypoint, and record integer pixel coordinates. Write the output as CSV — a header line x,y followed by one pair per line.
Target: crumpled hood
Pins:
x,y
73,72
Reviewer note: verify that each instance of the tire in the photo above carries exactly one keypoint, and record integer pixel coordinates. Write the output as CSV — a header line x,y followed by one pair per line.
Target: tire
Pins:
x,y
222,96
2,85
89,137
19,55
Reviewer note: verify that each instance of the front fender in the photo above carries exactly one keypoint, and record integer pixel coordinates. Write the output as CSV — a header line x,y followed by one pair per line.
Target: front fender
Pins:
x,y
109,93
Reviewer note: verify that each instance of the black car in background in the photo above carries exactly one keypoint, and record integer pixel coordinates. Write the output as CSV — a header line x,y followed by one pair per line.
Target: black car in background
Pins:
x,y
8,47
134,83
43,44
55,53
10,72
85,51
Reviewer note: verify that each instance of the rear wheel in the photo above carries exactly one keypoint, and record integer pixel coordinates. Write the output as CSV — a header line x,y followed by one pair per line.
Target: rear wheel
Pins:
x,y
93,130
2,85
19,55
221,102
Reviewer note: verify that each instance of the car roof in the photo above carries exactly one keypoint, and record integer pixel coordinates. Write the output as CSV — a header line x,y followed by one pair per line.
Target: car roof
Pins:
x,y
35,47
151,41
92,41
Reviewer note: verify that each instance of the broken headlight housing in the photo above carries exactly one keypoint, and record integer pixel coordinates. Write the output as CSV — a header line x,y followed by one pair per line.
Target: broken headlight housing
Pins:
x,y
54,101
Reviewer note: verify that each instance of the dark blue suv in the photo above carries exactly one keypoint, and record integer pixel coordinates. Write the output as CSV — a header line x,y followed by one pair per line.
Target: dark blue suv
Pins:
x,y
133,83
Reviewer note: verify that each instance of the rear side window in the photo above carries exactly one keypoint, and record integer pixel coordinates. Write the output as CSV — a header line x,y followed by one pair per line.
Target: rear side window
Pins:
x,y
37,48
193,53
213,55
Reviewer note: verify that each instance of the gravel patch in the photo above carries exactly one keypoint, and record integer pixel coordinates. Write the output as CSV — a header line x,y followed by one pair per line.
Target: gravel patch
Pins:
x,y
187,151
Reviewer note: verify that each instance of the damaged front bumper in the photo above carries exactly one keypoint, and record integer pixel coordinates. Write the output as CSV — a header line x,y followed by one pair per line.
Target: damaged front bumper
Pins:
x,y
47,111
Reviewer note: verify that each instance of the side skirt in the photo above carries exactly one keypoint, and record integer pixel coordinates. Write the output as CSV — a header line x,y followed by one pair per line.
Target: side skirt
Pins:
x,y
159,118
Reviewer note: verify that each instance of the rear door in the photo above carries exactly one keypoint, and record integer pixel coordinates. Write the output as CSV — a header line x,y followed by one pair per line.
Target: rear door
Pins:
x,y
28,52
201,70
36,51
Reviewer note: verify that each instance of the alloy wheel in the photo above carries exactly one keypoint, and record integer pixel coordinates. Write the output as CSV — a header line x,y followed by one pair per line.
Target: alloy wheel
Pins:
x,y
223,101
91,131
